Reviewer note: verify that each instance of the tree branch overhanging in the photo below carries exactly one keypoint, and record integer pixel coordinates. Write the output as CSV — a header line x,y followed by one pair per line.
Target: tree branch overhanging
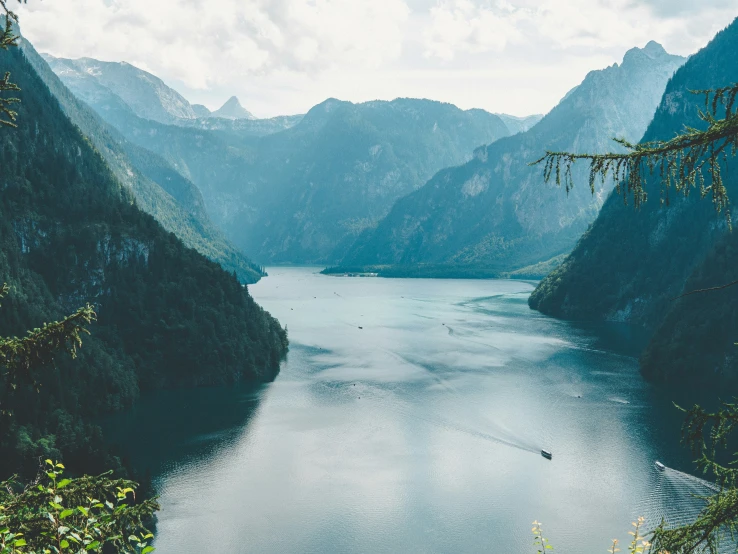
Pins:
x,y
8,38
689,160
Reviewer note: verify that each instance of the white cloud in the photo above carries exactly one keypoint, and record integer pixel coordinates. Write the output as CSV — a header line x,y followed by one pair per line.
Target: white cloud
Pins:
x,y
205,44
461,26
283,56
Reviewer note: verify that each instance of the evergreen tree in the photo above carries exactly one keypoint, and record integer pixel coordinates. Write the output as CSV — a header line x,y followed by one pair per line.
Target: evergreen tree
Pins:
x,y
691,160
8,38
56,514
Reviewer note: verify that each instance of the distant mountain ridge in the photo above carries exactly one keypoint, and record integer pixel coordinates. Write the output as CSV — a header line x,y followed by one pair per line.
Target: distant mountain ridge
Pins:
x,y
519,124
159,189
633,264
145,94
125,87
232,109
72,233
300,188
494,214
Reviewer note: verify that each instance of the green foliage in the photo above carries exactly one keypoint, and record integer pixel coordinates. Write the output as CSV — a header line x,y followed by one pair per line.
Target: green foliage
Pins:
x,y
494,211
86,514
158,189
636,265
705,325
8,38
638,543
707,433
682,162
19,357
71,235
540,542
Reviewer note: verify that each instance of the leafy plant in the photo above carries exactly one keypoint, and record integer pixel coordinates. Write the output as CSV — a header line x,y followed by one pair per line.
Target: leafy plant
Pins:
x,y
62,515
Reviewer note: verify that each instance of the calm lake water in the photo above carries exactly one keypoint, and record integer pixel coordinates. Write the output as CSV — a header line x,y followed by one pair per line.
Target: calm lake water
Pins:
x,y
409,417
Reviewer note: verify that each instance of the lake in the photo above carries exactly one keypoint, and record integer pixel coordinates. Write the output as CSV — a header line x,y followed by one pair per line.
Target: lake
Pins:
x,y
409,416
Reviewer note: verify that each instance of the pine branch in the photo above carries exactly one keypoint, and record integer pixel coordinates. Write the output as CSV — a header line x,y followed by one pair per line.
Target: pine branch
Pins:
x,y
689,160
8,38
19,356
716,521
710,289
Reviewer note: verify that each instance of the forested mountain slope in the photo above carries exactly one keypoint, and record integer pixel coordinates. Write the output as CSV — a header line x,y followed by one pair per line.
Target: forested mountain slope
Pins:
x,y
305,193
632,264
173,200
495,213
71,233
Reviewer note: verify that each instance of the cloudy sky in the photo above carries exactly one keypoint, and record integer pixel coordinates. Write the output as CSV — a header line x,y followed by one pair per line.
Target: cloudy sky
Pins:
x,y
284,56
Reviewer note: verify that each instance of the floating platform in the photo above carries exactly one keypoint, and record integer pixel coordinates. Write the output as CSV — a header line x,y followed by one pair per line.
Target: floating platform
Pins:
x,y
546,454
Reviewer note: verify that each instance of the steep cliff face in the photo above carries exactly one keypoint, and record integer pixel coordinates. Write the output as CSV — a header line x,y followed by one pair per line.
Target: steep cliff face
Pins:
x,y
495,211
631,265
159,190
122,84
71,233
305,193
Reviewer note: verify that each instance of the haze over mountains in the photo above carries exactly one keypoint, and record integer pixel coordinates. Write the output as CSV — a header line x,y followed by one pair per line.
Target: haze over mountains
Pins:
x,y
72,233
631,265
159,189
300,189
414,187
494,214
120,85
232,109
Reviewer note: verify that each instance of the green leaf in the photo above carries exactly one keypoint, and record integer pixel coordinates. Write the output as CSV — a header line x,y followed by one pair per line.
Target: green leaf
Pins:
x,y
148,549
66,513
64,543
93,545
63,483
19,542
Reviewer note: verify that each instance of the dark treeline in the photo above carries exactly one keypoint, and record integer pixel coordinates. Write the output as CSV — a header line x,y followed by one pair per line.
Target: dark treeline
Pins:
x,y
635,265
70,233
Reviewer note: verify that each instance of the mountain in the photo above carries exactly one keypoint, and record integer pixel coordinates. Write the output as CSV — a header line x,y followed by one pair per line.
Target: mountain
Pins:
x,y
304,193
145,94
232,109
200,110
159,189
631,265
495,214
71,233
517,124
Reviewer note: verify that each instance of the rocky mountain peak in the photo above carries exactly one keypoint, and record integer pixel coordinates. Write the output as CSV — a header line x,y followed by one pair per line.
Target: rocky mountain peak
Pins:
x,y
233,109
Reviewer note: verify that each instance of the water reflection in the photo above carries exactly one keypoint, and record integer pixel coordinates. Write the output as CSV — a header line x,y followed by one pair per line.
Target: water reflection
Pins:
x,y
409,417
171,429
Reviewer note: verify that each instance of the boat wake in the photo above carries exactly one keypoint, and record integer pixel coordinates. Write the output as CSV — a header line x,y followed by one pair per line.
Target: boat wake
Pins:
x,y
677,499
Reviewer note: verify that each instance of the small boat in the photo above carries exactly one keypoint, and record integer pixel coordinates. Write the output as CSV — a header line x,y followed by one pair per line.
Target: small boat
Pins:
x,y
546,454
660,466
